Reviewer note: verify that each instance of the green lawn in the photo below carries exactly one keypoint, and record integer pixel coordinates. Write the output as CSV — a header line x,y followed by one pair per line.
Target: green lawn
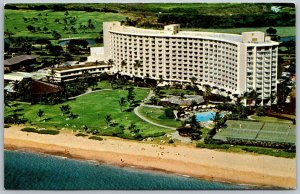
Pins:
x,y
157,115
270,119
176,92
281,132
91,110
15,23
103,85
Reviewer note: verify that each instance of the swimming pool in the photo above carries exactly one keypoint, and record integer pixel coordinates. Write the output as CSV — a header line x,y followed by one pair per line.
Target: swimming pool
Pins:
x,y
205,116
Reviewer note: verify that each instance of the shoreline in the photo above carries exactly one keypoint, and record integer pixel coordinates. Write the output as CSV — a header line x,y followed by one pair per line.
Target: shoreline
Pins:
x,y
235,168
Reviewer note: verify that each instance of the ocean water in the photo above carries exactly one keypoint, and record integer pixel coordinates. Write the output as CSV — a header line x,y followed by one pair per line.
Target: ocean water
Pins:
x,y
25,170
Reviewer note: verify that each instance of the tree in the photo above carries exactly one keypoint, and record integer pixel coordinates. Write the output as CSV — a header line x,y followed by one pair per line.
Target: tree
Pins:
x,y
110,62
122,103
30,28
108,120
52,74
65,109
123,63
271,31
137,64
250,97
217,119
130,95
45,29
169,113
193,80
272,97
56,35
40,113
42,42
132,128
259,111
207,92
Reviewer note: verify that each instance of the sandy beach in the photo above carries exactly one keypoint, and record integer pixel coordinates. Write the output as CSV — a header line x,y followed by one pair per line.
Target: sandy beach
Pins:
x,y
178,159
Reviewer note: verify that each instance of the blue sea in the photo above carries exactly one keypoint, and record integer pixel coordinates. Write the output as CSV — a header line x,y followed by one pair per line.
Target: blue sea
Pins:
x,y
26,170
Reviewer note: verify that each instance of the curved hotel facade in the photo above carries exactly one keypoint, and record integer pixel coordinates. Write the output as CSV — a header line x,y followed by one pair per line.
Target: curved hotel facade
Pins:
x,y
229,62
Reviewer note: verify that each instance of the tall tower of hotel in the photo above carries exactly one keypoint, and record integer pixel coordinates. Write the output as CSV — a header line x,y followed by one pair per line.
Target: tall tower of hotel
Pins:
x,y
230,63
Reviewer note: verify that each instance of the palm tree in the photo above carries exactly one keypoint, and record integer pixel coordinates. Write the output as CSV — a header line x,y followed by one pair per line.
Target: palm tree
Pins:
x,y
40,113
250,97
65,109
207,92
123,63
132,128
110,62
193,80
108,119
217,118
52,74
272,97
122,103
137,64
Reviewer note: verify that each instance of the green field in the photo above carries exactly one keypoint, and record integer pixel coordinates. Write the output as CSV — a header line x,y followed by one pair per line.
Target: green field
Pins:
x,y
157,115
15,23
282,31
280,132
270,119
91,110
144,13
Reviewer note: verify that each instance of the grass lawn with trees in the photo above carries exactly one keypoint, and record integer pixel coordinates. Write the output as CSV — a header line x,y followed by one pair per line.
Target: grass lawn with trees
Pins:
x,y
17,21
89,110
157,115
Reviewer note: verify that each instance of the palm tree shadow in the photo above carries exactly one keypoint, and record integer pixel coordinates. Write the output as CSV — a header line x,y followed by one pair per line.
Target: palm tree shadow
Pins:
x,y
47,119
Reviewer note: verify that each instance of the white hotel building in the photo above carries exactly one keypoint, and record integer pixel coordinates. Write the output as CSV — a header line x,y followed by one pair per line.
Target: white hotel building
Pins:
x,y
229,62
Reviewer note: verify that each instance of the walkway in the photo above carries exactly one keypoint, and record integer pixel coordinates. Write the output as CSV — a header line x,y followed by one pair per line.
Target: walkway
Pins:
x,y
136,111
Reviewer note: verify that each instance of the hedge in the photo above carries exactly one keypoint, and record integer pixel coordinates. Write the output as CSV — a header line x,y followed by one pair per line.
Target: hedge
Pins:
x,y
258,150
156,134
288,147
129,136
44,131
81,135
96,138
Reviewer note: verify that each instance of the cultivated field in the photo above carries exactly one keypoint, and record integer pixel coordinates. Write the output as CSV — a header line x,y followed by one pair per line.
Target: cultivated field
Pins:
x,y
279,132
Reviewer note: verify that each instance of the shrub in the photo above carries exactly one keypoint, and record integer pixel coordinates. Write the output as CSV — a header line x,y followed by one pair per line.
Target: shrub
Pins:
x,y
81,135
49,132
129,136
6,126
269,144
171,141
260,111
112,132
169,113
96,138
45,131
213,146
29,129
156,134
